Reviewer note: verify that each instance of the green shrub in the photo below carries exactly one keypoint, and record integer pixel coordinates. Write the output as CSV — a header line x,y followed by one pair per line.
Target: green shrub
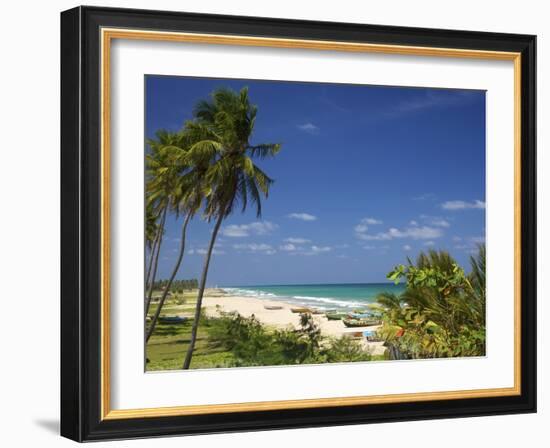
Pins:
x,y
253,344
345,349
441,313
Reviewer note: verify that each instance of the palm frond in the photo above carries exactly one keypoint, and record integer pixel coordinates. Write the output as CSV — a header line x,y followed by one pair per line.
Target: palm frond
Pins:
x,y
264,150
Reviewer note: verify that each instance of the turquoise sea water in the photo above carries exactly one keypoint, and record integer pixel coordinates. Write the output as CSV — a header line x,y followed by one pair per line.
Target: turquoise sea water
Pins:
x,y
344,296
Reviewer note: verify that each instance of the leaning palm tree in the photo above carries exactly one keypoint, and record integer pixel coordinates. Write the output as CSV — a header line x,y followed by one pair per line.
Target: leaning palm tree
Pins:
x,y
186,200
162,178
225,124
154,230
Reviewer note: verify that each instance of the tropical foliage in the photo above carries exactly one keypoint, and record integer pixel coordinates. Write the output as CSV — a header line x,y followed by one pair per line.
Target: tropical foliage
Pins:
x,y
441,313
254,344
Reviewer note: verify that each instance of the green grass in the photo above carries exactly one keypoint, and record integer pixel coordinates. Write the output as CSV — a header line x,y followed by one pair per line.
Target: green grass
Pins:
x,y
168,345
177,304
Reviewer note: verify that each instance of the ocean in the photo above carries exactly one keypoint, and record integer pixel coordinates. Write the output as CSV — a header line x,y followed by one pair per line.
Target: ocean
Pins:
x,y
344,297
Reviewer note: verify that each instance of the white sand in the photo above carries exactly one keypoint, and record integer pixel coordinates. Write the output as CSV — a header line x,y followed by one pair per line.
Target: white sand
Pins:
x,y
283,318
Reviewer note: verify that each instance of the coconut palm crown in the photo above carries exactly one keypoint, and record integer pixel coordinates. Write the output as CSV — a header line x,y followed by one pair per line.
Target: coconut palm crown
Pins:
x,y
221,134
223,128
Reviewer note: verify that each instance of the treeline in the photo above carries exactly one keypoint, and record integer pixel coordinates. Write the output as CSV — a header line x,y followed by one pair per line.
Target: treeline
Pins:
x,y
176,285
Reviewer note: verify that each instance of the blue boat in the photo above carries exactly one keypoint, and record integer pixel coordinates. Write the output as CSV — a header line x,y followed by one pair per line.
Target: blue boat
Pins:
x,y
371,335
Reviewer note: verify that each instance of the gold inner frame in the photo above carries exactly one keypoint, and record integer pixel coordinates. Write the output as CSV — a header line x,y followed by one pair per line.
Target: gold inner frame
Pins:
x,y
107,35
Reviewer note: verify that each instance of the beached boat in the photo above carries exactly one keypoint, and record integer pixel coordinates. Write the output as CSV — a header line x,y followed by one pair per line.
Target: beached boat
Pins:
x,y
355,315
335,316
352,323
371,336
360,311
300,310
355,335
273,307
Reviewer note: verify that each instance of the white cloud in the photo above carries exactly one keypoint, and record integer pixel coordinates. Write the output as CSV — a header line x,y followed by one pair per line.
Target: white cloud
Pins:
x,y
407,247
297,240
319,249
457,238
377,237
203,252
243,230
262,228
363,225
310,128
369,247
463,205
440,223
361,228
429,243
288,247
413,223
253,247
235,231
371,221
302,216
416,233
436,221
312,250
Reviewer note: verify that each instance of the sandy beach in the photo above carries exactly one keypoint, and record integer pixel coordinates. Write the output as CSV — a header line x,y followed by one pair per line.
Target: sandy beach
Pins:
x,y
283,318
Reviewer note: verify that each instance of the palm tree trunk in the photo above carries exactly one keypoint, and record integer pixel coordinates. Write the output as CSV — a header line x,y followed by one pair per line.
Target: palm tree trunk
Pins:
x,y
202,285
156,262
172,276
153,252
154,249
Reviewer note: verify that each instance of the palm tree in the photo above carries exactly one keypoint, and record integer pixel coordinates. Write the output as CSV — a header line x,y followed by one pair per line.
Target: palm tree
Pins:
x,y
225,124
151,239
186,198
162,177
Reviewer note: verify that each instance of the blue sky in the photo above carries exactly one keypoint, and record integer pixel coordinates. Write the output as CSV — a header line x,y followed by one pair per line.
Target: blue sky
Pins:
x,y
367,175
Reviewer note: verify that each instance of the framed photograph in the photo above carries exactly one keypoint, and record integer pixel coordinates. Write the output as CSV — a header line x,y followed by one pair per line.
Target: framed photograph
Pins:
x,y
276,224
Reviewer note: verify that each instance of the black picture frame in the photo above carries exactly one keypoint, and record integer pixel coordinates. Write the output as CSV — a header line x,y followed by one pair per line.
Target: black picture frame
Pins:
x,y
81,226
